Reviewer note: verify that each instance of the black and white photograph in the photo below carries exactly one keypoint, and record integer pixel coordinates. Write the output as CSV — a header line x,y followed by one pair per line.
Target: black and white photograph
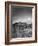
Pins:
x,y
21,21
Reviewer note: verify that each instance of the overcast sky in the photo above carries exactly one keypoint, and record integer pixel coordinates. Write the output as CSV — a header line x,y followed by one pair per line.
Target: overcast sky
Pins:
x,y
21,14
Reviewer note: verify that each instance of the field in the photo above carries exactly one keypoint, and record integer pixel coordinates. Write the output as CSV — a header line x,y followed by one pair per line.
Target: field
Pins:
x,y
21,30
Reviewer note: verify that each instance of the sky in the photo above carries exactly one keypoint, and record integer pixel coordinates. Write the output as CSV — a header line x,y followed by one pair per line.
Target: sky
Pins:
x,y
21,14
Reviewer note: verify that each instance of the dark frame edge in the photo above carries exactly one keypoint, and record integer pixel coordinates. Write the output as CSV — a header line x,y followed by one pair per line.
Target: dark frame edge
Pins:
x,y
29,3
7,16
36,22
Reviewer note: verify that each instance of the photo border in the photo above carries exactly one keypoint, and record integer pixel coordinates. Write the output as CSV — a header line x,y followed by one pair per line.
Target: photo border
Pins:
x,y
7,22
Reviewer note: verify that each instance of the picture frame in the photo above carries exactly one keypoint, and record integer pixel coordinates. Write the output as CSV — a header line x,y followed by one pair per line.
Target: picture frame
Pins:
x,y
20,13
